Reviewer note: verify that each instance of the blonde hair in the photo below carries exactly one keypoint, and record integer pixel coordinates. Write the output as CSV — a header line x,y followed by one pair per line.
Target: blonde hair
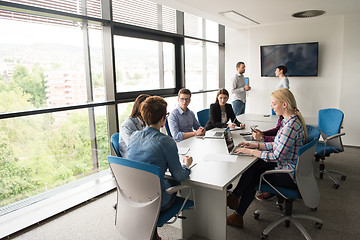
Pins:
x,y
285,95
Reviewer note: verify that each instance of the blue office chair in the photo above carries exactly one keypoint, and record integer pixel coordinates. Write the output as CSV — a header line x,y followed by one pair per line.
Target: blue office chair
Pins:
x,y
167,127
312,132
139,198
329,124
203,116
115,143
307,190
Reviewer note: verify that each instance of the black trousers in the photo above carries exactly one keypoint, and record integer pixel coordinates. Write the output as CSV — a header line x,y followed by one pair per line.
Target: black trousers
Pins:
x,y
250,179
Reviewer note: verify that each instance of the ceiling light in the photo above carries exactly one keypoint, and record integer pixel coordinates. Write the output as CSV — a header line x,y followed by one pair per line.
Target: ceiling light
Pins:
x,y
308,13
238,17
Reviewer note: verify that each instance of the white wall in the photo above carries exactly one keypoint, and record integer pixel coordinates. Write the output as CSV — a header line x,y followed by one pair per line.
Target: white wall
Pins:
x,y
337,36
350,80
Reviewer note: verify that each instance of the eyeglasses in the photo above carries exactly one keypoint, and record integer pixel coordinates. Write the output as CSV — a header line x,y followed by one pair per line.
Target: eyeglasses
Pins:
x,y
185,99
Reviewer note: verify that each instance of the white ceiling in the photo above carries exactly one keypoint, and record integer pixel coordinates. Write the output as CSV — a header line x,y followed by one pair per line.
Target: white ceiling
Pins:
x,y
265,12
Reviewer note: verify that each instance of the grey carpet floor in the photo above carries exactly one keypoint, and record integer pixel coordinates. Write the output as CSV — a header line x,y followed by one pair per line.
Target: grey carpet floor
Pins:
x,y
339,209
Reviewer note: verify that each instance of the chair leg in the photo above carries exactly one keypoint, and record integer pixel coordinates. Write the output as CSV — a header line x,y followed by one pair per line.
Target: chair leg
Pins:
x,y
343,175
288,218
301,228
321,170
302,216
268,211
274,224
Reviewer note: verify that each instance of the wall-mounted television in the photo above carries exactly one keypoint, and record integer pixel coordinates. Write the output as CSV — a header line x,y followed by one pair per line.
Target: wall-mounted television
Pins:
x,y
301,59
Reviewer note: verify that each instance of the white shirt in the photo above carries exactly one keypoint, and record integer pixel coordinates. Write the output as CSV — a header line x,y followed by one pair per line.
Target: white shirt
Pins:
x,y
284,83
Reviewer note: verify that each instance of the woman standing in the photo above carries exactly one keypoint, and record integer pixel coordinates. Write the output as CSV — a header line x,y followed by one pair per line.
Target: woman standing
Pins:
x,y
280,154
280,72
220,112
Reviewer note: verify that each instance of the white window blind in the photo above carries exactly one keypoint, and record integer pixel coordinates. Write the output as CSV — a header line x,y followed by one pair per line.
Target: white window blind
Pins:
x,y
145,14
69,6
93,9
193,26
198,27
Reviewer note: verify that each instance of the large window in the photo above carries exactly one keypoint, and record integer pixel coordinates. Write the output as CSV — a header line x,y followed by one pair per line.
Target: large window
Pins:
x,y
143,64
69,75
41,152
43,67
201,55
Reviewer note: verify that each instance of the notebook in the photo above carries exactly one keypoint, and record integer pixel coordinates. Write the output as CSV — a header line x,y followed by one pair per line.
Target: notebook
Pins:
x,y
230,143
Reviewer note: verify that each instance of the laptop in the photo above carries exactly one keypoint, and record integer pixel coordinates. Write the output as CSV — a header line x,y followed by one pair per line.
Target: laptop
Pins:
x,y
213,134
230,143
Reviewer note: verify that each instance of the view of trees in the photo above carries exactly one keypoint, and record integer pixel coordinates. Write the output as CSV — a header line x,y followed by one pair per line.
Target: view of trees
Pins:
x,y
38,153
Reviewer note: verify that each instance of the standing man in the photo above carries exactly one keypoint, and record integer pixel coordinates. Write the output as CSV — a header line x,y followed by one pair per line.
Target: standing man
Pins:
x,y
239,89
182,121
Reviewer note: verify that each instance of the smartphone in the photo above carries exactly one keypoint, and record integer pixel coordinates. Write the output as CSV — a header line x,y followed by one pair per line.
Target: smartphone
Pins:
x,y
245,133
247,81
253,128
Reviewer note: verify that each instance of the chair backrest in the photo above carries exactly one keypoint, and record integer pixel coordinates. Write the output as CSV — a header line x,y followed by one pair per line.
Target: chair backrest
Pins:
x,y
304,174
139,197
115,143
203,116
329,123
312,132
167,127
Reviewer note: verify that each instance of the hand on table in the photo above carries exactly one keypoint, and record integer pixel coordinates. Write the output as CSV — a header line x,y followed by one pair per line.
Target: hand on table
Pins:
x,y
200,132
257,134
187,160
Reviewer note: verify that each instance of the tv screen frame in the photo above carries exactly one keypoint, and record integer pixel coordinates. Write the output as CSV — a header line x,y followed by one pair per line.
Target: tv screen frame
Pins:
x,y
301,59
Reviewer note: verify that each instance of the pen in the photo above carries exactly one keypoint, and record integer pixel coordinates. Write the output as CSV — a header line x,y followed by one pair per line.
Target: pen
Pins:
x,y
192,166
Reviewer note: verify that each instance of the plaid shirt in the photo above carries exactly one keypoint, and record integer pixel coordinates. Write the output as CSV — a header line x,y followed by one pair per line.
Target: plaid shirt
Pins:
x,y
285,147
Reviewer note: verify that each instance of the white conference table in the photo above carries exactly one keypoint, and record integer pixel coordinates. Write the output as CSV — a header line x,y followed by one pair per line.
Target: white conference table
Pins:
x,y
260,118
215,169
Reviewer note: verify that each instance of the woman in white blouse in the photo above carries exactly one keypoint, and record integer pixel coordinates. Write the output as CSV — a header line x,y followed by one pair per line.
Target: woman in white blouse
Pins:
x,y
280,72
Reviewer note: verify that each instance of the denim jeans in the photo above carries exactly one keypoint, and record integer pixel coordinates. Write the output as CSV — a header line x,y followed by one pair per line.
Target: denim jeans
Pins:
x,y
238,107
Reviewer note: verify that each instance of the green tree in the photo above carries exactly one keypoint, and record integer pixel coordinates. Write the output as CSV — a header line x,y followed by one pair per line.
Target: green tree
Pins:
x,y
14,176
33,84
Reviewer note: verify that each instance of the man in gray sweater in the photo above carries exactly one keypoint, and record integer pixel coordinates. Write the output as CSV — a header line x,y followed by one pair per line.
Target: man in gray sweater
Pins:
x,y
238,89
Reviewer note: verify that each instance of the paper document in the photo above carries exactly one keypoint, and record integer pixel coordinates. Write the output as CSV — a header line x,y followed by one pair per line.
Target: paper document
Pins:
x,y
235,128
183,150
220,157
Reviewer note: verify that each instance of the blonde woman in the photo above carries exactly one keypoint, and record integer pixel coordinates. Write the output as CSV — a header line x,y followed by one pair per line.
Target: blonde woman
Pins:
x,y
280,154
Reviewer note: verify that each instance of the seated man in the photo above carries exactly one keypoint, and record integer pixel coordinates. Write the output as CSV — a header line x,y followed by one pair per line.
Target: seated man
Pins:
x,y
182,121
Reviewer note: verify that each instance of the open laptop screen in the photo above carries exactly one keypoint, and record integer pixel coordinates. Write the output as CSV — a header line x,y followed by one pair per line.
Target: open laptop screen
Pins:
x,y
229,139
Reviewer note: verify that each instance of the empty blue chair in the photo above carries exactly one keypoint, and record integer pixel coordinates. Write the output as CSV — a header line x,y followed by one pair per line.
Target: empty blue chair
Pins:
x,y
115,143
203,116
307,190
329,124
139,198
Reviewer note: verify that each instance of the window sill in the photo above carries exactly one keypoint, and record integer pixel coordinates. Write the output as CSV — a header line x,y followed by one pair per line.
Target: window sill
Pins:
x,y
75,194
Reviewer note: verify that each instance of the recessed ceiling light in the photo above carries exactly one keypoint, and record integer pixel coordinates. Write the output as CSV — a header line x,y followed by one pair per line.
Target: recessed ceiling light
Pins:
x,y
308,13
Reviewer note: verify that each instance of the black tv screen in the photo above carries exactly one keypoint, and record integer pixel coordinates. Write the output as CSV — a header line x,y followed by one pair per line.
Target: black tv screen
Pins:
x,y
301,59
